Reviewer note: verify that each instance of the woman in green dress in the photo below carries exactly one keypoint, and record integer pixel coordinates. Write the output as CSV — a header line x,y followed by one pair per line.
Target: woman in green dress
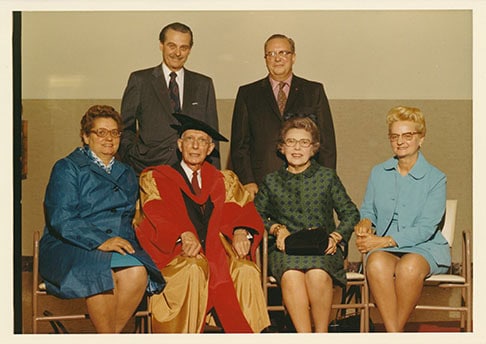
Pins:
x,y
303,194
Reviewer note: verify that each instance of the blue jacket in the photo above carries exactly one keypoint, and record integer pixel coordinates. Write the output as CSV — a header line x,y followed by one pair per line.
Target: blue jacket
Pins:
x,y
85,206
420,206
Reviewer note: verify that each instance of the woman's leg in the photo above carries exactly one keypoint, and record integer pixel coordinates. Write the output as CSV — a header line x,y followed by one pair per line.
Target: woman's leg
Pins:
x,y
380,272
296,300
319,289
110,311
101,310
410,273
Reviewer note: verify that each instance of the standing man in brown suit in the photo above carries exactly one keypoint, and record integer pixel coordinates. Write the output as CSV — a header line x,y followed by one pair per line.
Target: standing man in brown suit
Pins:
x,y
151,97
262,106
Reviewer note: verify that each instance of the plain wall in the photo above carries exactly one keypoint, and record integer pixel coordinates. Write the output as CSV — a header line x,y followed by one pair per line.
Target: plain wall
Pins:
x,y
357,54
369,61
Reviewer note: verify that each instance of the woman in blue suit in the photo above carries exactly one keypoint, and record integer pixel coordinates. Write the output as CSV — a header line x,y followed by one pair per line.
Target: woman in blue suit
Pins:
x,y
404,202
88,248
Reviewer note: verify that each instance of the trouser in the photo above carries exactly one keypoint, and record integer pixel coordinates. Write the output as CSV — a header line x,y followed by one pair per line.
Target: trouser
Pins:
x,y
181,307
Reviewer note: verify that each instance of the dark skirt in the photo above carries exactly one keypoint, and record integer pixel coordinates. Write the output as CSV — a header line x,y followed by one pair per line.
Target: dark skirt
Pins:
x,y
280,262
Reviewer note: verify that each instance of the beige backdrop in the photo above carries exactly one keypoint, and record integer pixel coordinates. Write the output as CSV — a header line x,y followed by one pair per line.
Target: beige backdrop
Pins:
x,y
369,61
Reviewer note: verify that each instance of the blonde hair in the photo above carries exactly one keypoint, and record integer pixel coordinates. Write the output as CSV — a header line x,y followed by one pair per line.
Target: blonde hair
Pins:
x,y
407,113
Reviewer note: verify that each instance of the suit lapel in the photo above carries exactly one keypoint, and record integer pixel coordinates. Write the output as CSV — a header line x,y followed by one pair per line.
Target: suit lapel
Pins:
x,y
270,97
161,90
190,88
294,91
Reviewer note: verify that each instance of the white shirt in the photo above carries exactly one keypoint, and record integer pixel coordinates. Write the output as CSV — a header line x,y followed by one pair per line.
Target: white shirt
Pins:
x,y
179,80
189,172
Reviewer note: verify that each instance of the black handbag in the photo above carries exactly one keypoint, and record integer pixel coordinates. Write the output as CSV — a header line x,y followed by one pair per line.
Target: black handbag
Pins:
x,y
307,242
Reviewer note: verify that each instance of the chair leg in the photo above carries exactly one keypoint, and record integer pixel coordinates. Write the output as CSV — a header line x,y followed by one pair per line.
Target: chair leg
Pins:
x,y
469,309
149,316
464,315
366,302
35,282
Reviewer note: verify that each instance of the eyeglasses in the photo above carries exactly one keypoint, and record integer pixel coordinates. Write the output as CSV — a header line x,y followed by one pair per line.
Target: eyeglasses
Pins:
x,y
103,132
406,136
283,54
200,140
304,143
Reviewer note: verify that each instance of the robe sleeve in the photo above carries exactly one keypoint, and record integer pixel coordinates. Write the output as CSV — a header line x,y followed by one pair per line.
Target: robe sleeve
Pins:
x,y
160,217
240,211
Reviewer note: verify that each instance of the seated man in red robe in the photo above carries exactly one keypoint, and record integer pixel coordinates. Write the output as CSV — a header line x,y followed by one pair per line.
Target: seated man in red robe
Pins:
x,y
201,229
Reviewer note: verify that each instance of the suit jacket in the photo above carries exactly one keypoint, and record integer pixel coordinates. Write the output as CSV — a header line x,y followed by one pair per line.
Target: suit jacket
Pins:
x,y
257,121
148,138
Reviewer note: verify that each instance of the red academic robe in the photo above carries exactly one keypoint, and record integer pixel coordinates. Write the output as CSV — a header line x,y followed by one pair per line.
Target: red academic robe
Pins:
x,y
163,218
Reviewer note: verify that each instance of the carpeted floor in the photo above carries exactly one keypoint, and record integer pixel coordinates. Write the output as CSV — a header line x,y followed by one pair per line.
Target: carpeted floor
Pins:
x,y
437,326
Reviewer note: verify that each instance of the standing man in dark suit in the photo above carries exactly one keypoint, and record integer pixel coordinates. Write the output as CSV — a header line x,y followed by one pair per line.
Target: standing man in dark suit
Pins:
x,y
153,94
262,106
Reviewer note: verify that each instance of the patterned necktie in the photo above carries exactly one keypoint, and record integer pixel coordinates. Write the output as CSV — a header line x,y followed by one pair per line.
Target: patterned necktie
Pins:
x,y
281,97
174,93
195,183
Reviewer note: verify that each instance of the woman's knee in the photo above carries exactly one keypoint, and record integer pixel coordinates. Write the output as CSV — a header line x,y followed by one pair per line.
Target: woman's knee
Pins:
x,y
136,275
412,267
380,263
317,277
293,279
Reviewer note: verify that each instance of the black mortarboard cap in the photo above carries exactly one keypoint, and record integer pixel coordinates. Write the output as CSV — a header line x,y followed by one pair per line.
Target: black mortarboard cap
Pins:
x,y
188,122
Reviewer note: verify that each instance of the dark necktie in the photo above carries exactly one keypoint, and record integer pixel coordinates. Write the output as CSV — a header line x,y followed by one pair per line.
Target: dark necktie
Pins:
x,y
281,97
195,183
174,93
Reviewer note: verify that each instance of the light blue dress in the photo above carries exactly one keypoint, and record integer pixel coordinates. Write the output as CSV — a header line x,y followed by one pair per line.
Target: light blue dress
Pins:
x,y
409,209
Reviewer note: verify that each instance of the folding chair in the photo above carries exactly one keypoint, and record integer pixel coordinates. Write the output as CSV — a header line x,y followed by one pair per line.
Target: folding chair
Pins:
x,y
353,279
450,280
39,290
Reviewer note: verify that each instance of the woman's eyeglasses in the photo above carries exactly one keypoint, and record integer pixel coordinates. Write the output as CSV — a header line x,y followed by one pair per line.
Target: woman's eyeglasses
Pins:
x,y
406,136
304,143
103,132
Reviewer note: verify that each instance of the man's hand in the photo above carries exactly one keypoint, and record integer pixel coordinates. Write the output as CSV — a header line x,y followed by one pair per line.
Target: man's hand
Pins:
x,y
252,189
190,244
117,244
241,243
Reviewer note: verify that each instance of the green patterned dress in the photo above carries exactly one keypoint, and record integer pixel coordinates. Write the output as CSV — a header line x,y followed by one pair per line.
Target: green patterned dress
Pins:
x,y
306,200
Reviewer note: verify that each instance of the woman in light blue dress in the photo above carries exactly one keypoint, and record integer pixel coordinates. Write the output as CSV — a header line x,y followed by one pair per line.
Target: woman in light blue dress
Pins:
x,y
401,213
